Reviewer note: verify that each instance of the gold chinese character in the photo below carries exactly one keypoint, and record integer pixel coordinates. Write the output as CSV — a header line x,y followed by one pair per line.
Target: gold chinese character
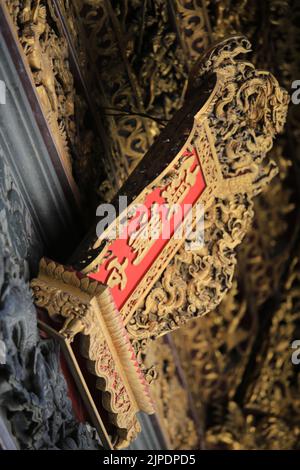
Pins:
x,y
142,240
180,186
118,276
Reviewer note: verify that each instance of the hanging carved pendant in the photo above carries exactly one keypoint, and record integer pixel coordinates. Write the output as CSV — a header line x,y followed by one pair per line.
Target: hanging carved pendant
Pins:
x,y
123,286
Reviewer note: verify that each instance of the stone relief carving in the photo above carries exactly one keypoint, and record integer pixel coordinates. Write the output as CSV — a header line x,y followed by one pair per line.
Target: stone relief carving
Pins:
x,y
33,391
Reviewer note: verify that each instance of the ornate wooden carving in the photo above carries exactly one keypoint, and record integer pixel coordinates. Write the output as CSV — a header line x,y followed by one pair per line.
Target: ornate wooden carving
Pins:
x,y
223,163
245,115
88,308
227,347
47,55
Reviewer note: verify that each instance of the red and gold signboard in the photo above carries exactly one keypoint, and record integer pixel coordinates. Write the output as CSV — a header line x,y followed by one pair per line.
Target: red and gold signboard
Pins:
x,y
128,258
155,224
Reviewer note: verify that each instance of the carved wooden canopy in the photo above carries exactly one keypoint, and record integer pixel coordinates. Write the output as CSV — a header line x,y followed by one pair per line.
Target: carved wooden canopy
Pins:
x,y
116,293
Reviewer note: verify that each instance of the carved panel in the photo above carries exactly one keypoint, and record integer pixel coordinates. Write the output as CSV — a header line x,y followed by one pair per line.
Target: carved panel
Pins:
x,y
153,78
195,282
62,99
227,149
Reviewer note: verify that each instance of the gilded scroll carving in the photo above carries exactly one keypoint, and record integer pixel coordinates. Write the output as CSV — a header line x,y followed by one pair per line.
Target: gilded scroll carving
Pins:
x,y
245,117
139,91
220,344
262,254
268,417
62,98
117,93
275,392
248,113
193,23
239,123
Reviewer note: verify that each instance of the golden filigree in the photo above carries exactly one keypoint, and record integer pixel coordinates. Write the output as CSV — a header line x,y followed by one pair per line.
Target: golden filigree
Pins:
x,y
214,341
268,417
194,27
264,253
47,55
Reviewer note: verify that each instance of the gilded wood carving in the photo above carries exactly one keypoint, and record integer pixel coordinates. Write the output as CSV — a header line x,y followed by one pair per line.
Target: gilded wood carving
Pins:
x,y
88,308
156,75
248,111
231,136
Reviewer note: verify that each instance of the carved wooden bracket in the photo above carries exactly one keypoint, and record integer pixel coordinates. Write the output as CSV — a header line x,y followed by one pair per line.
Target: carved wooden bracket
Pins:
x,y
213,154
88,308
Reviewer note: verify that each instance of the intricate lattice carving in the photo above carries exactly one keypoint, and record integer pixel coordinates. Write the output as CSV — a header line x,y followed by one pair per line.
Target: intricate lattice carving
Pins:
x,y
268,416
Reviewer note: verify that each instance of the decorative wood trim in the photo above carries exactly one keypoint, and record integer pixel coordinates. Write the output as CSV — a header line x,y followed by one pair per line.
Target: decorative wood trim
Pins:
x,y
87,307
58,159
